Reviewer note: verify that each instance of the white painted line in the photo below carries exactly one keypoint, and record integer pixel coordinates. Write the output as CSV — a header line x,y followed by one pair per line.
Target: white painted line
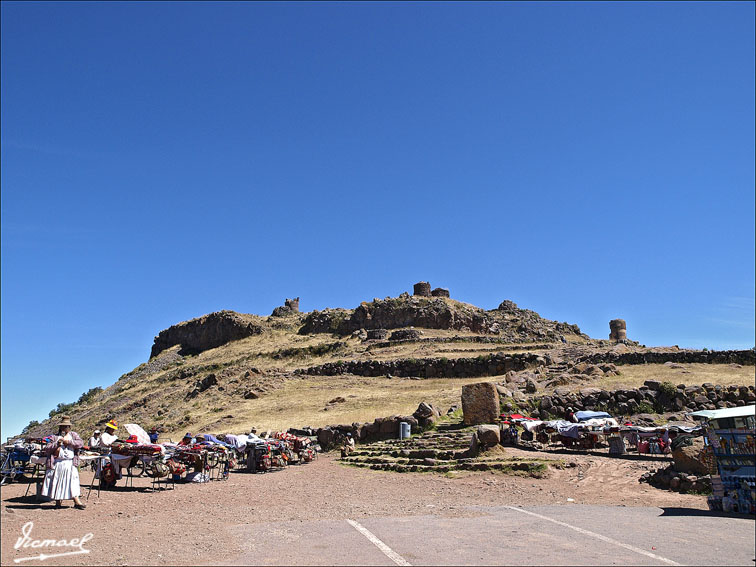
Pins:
x,y
598,536
390,553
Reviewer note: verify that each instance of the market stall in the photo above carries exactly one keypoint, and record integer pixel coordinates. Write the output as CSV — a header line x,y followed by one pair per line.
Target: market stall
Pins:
x,y
730,432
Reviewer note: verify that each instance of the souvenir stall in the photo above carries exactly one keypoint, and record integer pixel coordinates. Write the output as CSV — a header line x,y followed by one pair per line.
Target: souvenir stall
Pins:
x,y
510,435
589,431
730,432
653,440
299,449
110,462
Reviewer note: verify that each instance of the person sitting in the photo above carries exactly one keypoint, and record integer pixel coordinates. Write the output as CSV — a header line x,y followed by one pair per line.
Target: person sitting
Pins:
x,y
348,445
252,437
62,474
95,440
109,436
187,440
154,435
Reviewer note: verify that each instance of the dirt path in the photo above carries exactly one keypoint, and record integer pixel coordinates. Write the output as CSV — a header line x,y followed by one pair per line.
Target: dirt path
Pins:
x,y
196,523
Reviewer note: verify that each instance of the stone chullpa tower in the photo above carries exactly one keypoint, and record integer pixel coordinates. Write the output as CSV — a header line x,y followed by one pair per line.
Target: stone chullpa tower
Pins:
x,y
617,330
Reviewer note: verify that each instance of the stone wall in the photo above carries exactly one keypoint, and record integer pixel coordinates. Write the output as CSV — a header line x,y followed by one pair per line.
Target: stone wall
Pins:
x,y
379,334
744,357
379,429
649,398
492,365
405,335
440,292
206,332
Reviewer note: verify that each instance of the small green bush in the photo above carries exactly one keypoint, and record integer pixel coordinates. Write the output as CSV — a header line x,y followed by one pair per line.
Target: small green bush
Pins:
x,y
645,407
668,390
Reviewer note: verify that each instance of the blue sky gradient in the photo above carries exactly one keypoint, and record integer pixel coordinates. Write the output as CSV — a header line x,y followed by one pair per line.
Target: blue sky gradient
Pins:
x,y
161,161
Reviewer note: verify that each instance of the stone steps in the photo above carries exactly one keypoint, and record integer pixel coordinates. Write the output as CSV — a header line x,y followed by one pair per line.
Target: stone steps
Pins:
x,y
532,468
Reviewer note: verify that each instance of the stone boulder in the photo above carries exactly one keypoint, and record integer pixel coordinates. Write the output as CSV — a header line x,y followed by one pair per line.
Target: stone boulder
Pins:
x,y
480,403
488,435
426,414
204,384
691,459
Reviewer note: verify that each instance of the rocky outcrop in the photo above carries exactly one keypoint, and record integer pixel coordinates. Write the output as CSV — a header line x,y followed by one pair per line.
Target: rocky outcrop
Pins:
x,y
290,307
204,384
480,403
436,311
206,332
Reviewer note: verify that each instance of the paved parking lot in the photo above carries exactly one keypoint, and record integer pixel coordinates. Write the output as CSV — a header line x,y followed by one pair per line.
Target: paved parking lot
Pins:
x,y
537,535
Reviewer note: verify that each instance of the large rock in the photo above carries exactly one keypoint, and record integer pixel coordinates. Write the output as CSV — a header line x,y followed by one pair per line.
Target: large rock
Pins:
x,y
480,403
426,414
488,435
691,459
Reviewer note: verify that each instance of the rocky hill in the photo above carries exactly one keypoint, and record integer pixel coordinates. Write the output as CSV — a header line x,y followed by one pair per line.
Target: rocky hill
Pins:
x,y
224,370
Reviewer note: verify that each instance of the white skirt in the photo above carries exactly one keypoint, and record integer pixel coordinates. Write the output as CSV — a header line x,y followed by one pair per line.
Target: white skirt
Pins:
x,y
62,481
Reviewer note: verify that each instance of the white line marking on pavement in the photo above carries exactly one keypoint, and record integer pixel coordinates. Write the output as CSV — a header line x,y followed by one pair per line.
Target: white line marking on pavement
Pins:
x,y
390,553
597,536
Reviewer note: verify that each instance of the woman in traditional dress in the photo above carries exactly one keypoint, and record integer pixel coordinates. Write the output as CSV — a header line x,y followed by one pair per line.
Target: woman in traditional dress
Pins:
x,y
62,475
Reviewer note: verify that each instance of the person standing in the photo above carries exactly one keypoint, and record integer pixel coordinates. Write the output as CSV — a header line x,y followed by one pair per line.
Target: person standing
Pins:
x,y
62,475
154,435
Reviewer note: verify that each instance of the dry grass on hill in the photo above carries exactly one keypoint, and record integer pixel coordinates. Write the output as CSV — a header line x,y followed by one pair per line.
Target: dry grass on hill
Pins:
x,y
300,402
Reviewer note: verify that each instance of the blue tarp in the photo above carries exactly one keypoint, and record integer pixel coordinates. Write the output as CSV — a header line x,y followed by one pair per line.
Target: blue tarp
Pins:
x,y
586,415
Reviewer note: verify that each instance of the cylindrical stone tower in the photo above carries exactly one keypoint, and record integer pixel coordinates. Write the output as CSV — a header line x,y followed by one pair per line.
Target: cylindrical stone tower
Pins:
x,y
422,289
617,330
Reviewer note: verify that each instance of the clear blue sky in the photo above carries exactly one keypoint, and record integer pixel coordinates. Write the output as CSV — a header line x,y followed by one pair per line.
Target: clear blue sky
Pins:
x,y
161,161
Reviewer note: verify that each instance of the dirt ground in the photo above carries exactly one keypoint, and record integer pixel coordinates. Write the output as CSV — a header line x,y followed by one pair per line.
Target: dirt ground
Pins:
x,y
196,523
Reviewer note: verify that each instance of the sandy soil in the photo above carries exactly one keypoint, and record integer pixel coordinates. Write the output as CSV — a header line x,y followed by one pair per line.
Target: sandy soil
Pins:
x,y
196,523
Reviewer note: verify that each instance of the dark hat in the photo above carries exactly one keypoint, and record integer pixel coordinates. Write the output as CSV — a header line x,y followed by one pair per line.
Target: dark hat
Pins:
x,y
65,420
188,436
